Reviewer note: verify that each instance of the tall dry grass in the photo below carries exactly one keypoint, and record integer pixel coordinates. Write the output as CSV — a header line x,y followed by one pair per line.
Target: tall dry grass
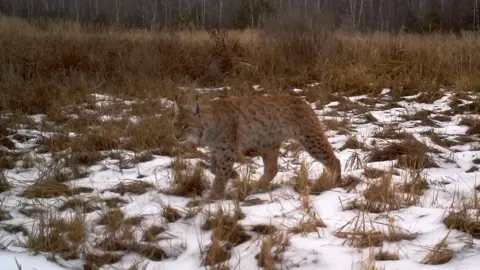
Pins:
x,y
47,64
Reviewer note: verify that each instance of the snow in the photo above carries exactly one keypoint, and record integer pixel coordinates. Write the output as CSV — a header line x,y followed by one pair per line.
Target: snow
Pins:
x,y
283,206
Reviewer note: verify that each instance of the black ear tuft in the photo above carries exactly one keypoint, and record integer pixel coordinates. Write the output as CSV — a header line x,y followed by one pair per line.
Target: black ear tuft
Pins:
x,y
196,109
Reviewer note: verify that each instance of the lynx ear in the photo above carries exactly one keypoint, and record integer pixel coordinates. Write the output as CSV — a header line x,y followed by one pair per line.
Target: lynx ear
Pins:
x,y
196,109
176,106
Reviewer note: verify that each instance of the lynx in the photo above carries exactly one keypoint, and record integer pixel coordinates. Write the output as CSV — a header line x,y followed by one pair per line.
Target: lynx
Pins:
x,y
230,126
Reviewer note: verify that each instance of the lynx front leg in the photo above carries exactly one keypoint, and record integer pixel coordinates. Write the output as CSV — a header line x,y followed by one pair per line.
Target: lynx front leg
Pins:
x,y
225,158
213,166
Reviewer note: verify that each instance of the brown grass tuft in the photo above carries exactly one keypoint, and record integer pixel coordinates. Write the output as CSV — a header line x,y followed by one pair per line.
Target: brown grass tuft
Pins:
x,y
309,225
151,233
136,187
264,229
383,196
216,253
4,215
189,183
171,214
272,249
352,143
112,219
51,189
226,227
94,262
410,152
58,236
439,254
78,204
4,184
386,256
461,220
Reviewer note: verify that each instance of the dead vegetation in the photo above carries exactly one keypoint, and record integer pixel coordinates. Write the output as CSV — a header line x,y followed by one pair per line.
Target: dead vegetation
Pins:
x,y
410,153
382,195
386,256
51,189
189,183
439,254
362,234
58,236
272,250
136,187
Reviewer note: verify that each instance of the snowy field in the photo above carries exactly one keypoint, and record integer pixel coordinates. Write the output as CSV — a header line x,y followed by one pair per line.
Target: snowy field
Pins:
x,y
391,216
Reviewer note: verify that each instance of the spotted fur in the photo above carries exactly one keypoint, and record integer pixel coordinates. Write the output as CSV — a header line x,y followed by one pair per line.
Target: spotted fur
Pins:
x,y
230,126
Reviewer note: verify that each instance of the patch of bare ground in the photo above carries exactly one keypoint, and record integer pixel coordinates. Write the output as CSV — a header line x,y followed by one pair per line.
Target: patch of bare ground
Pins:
x,y
52,188
136,187
272,250
390,131
64,237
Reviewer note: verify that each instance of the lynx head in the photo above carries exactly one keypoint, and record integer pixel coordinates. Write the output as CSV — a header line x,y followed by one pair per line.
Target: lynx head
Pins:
x,y
187,127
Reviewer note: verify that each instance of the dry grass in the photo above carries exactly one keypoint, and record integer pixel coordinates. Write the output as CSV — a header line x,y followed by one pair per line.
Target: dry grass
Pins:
x,y
51,189
112,219
136,187
303,185
189,183
272,249
383,195
463,221
4,184
410,153
171,214
439,254
360,236
78,204
386,256
226,228
58,236
308,225
352,143
150,235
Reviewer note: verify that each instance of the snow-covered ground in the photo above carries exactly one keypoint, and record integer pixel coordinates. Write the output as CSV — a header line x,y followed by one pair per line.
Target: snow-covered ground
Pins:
x,y
184,240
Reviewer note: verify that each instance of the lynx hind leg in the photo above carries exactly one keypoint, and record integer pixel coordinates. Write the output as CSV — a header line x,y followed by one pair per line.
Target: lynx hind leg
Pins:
x,y
270,163
223,172
317,145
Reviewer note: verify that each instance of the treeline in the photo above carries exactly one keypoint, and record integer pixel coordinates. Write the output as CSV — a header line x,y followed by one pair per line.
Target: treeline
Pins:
x,y
351,15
